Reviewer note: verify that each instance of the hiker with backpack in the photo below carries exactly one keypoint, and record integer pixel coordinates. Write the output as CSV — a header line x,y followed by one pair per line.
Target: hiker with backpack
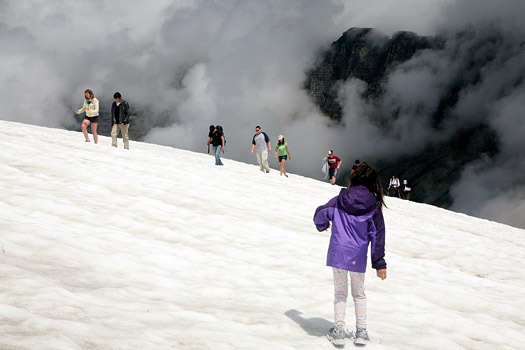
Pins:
x,y
393,187
217,140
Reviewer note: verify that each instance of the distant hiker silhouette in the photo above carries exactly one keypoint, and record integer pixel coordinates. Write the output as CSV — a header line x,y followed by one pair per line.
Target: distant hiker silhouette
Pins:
x,y
405,190
217,140
393,187
356,164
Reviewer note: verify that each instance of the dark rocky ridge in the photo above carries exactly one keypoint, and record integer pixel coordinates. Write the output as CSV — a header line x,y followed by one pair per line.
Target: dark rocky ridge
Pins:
x,y
362,53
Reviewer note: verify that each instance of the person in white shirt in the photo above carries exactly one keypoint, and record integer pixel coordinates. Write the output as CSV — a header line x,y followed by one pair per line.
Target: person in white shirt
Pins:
x,y
393,187
91,107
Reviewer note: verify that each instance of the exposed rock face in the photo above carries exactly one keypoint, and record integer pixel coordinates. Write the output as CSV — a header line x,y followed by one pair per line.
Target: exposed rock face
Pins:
x,y
369,56
433,171
364,54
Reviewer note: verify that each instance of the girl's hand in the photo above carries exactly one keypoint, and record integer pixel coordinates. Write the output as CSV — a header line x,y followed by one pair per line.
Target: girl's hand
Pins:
x,y
381,273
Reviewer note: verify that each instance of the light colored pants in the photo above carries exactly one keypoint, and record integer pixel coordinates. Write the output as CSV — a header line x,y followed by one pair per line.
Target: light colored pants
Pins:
x,y
123,129
357,281
262,159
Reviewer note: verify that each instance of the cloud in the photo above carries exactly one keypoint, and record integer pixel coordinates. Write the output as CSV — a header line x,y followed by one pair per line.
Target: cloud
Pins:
x,y
190,63
186,64
480,71
420,16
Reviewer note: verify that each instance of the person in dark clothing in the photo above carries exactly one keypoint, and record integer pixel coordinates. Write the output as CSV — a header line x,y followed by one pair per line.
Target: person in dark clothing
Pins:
x,y
119,120
212,128
216,138
354,167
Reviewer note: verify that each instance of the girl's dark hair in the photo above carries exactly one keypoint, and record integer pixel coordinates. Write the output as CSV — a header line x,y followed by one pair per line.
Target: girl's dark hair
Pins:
x,y
366,176
281,141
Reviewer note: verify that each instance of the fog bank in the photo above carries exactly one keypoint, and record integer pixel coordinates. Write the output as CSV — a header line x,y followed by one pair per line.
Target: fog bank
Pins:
x,y
189,64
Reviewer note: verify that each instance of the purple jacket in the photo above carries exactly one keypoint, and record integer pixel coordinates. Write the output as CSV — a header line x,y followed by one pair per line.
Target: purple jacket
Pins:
x,y
356,221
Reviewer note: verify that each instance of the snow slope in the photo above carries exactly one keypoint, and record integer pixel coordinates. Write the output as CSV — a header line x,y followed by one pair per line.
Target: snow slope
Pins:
x,y
157,248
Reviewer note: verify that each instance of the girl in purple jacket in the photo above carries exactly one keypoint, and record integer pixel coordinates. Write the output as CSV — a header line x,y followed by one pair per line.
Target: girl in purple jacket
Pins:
x,y
357,220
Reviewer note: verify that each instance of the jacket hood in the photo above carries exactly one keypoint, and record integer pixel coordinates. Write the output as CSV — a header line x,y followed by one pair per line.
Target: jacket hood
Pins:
x,y
357,200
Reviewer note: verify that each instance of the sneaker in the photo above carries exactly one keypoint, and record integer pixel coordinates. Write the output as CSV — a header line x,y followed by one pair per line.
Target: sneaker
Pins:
x,y
361,337
336,336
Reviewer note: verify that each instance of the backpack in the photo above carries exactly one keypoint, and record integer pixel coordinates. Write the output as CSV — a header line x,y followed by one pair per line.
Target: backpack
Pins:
x,y
221,132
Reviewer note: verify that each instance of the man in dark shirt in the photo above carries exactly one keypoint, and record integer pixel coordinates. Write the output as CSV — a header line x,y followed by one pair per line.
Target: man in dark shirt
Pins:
x,y
119,120
355,166
216,138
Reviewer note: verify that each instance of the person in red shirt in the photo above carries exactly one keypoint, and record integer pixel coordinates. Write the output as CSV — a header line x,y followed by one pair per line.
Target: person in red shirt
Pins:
x,y
334,162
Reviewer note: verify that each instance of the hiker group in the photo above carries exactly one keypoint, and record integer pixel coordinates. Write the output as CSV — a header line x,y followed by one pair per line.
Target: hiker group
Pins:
x,y
261,144
354,216
119,118
396,189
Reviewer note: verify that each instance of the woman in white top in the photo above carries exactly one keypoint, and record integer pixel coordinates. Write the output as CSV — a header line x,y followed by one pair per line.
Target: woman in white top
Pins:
x,y
91,108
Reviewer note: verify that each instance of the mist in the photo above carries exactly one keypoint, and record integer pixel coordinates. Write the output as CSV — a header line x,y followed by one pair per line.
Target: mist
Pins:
x,y
483,59
189,64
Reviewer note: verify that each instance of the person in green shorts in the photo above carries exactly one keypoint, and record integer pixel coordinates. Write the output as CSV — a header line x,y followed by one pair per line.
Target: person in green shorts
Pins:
x,y
282,152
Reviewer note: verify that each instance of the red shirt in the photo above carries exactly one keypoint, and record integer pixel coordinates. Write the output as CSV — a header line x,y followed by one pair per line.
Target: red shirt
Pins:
x,y
333,162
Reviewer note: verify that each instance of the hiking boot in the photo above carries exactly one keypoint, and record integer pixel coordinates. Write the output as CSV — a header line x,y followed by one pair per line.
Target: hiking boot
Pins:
x,y
336,336
361,337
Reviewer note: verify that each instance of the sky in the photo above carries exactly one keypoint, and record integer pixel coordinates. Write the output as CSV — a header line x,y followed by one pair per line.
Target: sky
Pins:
x,y
184,65
158,248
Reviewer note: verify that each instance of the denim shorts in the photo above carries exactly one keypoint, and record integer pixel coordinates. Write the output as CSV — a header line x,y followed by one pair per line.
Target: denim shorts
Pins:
x,y
285,157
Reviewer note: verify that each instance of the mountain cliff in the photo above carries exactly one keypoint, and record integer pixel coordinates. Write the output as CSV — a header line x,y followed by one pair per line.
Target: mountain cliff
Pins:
x,y
453,66
365,54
